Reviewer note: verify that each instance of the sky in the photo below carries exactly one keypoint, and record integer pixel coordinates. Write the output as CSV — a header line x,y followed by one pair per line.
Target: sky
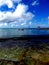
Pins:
x,y
24,13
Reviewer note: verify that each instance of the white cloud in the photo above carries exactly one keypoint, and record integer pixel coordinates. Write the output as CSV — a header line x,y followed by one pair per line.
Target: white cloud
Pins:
x,y
20,10
17,1
35,3
48,17
19,17
48,20
24,23
28,16
3,25
9,3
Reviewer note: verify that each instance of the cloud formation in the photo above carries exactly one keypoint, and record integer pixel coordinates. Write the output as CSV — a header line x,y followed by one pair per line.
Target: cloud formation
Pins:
x,y
20,17
19,11
17,1
9,3
35,3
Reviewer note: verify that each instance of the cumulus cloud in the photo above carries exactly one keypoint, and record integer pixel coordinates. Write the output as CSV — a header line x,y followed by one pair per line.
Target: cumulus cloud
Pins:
x,y
35,3
19,11
23,21
9,3
20,17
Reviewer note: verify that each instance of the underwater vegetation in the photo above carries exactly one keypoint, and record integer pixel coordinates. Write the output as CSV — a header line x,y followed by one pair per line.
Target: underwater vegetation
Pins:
x,y
25,56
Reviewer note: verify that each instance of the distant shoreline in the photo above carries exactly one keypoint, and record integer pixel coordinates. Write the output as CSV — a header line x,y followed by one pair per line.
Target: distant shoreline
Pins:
x,y
38,28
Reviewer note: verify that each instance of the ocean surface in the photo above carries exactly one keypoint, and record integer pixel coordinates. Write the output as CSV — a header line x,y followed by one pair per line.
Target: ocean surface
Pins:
x,y
13,32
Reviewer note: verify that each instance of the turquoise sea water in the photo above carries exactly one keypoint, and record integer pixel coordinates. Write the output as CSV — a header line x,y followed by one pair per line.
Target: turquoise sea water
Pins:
x,y
13,32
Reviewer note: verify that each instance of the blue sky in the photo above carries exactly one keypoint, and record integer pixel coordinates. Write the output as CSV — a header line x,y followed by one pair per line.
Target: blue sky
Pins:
x,y
24,13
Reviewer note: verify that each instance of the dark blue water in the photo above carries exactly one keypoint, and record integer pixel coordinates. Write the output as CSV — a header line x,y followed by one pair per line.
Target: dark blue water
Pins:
x,y
23,43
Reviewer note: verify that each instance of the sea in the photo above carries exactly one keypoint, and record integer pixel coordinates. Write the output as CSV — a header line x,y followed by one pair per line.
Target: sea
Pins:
x,y
14,32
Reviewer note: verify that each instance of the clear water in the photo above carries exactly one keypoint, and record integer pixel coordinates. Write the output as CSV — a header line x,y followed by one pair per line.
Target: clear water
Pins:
x,y
13,32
